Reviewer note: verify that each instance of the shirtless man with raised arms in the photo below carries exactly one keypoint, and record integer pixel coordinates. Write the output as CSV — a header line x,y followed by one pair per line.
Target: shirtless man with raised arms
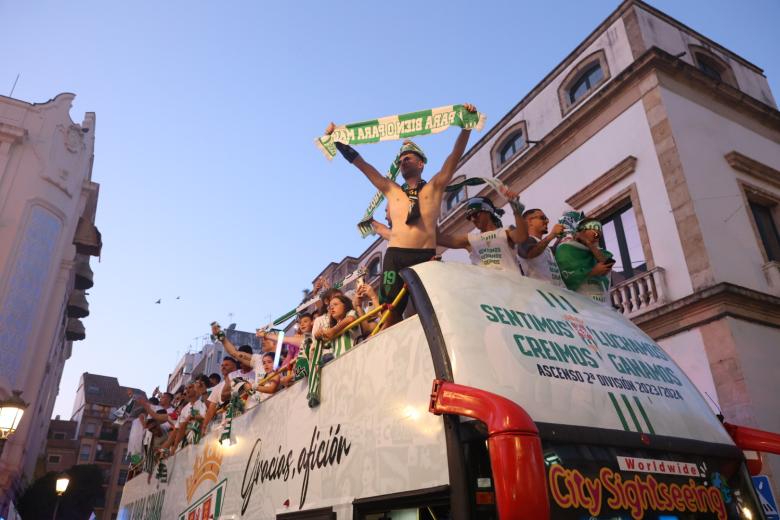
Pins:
x,y
413,208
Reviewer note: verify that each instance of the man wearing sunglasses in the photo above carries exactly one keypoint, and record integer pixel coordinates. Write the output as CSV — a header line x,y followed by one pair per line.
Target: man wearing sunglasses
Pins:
x,y
585,267
536,256
491,245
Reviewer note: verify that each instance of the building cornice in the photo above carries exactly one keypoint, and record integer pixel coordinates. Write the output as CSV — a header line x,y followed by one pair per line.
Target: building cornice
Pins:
x,y
12,134
710,304
564,136
753,168
673,21
603,182
622,9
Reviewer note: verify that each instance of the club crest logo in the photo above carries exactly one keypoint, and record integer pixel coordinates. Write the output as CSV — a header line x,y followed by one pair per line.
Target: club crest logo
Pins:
x,y
206,467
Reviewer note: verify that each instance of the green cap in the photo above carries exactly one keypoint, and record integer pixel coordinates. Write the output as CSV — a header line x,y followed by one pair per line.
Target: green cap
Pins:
x,y
410,147
593,224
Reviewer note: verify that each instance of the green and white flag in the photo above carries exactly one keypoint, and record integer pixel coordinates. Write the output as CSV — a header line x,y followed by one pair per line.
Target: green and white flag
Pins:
x,y
392,128
315,357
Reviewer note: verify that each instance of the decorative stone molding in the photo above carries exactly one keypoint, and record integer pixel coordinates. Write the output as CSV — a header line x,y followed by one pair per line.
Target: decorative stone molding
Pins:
x,y
507,133
606,180
640,294
751,193
772,273
629,195
74,139
585,63
761,171
11,134
708,305
724,69
60,182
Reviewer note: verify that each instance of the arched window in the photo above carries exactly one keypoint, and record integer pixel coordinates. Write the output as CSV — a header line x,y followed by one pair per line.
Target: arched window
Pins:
x,y
712,65
513,145
708,66
583,78
585,82
375,267
453,199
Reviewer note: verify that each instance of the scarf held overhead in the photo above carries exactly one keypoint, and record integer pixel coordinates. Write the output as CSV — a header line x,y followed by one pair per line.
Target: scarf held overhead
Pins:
x,y
401,126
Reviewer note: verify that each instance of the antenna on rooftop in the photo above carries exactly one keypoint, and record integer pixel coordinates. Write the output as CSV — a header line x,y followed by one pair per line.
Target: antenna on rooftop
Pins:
x,y
10,94
720,412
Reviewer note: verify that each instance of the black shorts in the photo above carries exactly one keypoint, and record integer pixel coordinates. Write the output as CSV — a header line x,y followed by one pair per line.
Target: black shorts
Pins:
x,y
397,258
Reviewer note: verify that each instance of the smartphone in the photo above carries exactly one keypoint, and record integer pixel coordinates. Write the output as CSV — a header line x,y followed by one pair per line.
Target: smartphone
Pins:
x,y
609,261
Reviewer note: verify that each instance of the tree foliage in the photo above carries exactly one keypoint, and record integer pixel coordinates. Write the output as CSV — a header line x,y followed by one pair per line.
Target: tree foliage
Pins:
x,y
78,501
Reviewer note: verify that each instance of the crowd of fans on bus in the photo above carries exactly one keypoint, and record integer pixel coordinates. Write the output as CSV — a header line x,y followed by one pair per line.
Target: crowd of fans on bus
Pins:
x,y
568,255
168,421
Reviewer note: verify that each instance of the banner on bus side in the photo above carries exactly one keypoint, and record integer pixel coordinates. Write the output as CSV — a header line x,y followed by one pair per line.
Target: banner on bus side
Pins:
x,y
562,357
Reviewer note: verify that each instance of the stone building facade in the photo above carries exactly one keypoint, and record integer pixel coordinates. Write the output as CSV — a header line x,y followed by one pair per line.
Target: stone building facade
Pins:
x,y
100,441
47,209
673,142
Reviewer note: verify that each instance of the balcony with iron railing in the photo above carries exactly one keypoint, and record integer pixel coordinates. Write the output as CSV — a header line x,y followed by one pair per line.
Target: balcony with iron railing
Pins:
x,y
641,293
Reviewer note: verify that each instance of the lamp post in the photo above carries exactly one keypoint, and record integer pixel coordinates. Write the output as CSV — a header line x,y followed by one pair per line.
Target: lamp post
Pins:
x,y
62,484
11,411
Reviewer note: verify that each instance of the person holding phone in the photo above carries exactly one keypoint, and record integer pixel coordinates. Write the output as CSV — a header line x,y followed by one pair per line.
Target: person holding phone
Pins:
x,y
585,267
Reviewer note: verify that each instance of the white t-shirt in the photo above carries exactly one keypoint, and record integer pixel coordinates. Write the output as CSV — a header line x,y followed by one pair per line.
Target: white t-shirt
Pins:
x,y
251,376
215,396
320,323
186,412
542,267
166,426
341,344
491,249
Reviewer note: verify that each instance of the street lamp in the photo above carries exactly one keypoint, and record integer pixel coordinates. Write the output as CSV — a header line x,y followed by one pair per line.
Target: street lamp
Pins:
x,y
11,411
61,485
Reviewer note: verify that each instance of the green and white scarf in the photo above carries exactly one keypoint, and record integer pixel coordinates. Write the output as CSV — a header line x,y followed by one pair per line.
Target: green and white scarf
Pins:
x,y
192,432
392,128
162,472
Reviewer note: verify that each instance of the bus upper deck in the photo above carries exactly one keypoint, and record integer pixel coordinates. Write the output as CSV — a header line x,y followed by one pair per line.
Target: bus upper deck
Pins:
x,y
541,399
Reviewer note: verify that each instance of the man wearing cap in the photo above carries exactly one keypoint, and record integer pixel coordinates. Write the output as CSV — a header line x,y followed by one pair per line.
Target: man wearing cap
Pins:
x,y
413,209
584,266
490,246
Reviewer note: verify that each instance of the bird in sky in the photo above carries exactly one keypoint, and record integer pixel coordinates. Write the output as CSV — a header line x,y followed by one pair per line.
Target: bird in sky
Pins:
x,y
158,301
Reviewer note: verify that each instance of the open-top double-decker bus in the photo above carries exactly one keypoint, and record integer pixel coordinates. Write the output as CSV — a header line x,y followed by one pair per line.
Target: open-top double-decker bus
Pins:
x,y
502,398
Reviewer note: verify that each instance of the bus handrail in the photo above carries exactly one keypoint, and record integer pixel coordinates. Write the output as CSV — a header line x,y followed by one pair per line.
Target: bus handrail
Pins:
x,y
754,439
516,457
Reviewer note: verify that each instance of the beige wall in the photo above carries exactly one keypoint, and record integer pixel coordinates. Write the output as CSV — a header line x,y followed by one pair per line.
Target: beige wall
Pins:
x,y
45,186
705,131
662,33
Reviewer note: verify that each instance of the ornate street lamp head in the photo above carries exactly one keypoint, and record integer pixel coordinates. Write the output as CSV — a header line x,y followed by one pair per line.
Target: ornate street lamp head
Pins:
x,y
11,411
62,484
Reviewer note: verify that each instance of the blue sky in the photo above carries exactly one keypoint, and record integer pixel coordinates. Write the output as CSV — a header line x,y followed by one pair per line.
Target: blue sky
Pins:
x,y
211,187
